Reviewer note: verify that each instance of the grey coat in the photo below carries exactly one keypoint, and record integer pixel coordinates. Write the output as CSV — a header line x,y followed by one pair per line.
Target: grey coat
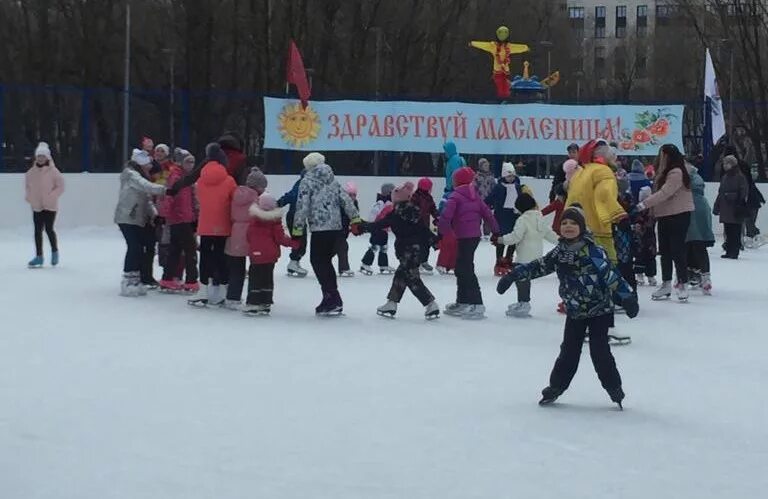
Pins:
x,y
321,200
134,205
732,197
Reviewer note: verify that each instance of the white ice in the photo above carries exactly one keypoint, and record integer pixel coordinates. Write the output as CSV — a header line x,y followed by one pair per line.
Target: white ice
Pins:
x,y
109,397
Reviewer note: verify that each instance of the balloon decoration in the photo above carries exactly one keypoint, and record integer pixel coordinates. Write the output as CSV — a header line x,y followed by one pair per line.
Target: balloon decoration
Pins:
x,y
501,50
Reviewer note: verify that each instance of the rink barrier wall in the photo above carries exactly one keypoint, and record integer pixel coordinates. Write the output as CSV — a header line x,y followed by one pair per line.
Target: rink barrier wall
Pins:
x,y
89,199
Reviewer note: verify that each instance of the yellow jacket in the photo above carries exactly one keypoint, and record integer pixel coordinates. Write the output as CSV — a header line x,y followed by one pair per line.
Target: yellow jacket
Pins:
x,y
595,188
500,51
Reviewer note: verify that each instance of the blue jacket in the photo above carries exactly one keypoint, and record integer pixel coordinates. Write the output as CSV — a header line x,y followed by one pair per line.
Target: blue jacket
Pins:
x,y
505,217
453,162
636,182
589,283
290,198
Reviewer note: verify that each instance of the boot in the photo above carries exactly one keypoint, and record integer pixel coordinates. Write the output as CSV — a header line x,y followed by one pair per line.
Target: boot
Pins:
x,y
191,287
664,292
519,310
54,258
652,282
432,311
36,262
366,269
474,312
217,296
320,309
549,395
617,396
694,278
296,270
170,285
347,273
455,309
201,297
127,286
232,305
706,283
426,268
387,270
389,309
256,310
640,278
681,290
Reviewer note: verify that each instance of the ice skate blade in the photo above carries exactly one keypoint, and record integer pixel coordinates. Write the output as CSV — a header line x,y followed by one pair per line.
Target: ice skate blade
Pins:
x,y
255,313
432,317
198,303
617,341
660,298
296,275
518,316
388,315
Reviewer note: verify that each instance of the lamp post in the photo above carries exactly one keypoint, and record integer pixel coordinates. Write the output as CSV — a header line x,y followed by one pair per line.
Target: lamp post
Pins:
x,y
727,42
171,95
127,81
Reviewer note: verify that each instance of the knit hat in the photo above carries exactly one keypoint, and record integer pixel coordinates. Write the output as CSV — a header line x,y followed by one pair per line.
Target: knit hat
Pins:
x,y
313,159
179,155
425,184
637,166
402,193
256,179
213,152
351,189
140,157
508,168
43,150
525,202
569,167
730,162
267,202
586,152
386,189
483,165
576,214
645,191
573,147
463,176
231,140
164,148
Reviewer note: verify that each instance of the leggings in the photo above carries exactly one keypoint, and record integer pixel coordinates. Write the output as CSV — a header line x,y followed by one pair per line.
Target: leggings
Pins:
x,y
672,232
213,261
44,220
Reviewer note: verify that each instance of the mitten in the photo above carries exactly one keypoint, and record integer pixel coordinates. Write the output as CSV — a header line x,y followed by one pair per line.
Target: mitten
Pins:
x,y
297,231
631,306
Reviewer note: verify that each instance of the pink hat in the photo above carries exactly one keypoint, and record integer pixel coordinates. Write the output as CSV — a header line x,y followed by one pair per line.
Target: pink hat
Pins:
x,y
425,184
402,193
463,176
351,189
570,167
267,202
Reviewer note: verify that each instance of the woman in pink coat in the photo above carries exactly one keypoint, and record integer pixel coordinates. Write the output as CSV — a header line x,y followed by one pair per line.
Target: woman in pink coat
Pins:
x,y
44,185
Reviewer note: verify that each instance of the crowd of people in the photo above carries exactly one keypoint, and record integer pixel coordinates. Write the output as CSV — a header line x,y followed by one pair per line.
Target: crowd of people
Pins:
x,y
607,227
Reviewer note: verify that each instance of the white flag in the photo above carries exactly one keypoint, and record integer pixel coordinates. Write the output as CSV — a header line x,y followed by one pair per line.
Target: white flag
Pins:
x,y
711,91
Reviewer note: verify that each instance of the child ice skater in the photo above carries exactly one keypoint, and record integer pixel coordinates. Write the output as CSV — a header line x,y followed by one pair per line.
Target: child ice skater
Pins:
x,y
528,236
644,232
502,201
423,199
379,238
44,185
700,235
342,243
556,206
412,241
461,218
589,286
265,236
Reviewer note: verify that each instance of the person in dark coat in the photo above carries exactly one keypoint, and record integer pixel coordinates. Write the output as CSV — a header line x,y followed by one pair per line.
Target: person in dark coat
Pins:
x,y
232,145
731,205
502,202
289,198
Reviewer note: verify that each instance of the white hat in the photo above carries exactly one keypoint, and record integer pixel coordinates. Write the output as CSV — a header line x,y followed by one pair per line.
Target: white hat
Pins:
x,y
313,159
164,148
43,150
508,168
140,157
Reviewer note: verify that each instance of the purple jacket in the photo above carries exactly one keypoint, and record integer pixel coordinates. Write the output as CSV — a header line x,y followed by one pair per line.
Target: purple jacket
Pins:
x,y
463,213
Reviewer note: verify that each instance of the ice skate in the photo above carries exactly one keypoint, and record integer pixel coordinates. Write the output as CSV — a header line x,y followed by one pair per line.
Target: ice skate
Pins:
x,y
681,290
296,270
694,278
191,287
54,258
347,273
201,297
443,270
234,305
426,269
615,339
640,278
151,284
519,310
706,284
366,269
331,306
549,395
217,296
664,292
36,262
432,311
389,309
455,309
386,270
256,310
170,286
652,282
474,312
617,396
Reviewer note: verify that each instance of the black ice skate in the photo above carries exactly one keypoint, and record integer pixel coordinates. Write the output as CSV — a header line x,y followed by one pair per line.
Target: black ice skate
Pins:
x,y
617,396
549,395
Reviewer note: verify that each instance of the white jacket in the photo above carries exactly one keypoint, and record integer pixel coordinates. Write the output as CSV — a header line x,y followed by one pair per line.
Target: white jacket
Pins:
x,y
530,231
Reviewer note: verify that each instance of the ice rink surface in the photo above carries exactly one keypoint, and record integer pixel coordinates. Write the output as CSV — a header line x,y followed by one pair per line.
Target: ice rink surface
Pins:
x,y
106,397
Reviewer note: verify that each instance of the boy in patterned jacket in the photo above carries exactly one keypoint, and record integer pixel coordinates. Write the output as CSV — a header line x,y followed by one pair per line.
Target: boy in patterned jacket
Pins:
x,y
589,286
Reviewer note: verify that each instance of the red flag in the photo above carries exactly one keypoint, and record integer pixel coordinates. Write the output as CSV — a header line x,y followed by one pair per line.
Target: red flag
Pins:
x,y
296,74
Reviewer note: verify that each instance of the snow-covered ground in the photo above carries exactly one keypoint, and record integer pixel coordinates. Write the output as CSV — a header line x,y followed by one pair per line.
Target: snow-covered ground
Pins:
x,y
108,397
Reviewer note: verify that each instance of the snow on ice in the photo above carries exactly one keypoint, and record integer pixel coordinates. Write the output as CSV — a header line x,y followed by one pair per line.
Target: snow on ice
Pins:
x,y
109,397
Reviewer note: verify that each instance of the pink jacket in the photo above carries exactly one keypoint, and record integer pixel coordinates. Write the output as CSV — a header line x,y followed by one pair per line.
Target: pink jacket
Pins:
x,y
672,198
214,193
180,208
464,212
44,186
237,244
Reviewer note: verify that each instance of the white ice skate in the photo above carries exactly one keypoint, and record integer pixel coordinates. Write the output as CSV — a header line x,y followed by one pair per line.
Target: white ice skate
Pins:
x,y
474,312
130,285
347,273
432,311
706,284
443,271
296,270
640,278
234,305
681,290
217,296
386,270
652,282
366,269
389,309
200,299
455,309
519,310
426,269
664,292
616,339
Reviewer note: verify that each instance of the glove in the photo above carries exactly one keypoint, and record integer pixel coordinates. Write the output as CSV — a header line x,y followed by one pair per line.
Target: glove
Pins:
x,y
630,306
495,239
295,244
357,229
505,283
297,231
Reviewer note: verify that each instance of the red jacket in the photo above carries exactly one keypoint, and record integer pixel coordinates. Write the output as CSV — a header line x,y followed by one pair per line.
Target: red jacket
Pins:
x,y
236,164
214,193
265,236
557,206
180,208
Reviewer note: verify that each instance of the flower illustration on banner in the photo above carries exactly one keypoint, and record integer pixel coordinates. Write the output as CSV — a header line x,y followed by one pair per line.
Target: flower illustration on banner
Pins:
x,y
651,130
298,127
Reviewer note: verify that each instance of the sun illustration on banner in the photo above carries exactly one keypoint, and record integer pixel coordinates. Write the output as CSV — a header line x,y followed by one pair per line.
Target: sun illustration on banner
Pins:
x,y
298,127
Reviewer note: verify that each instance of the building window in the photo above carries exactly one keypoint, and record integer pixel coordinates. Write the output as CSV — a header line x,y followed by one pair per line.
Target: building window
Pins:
x,y
642,20
664,14
600,62
576,20
600,22
621,21
620,63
